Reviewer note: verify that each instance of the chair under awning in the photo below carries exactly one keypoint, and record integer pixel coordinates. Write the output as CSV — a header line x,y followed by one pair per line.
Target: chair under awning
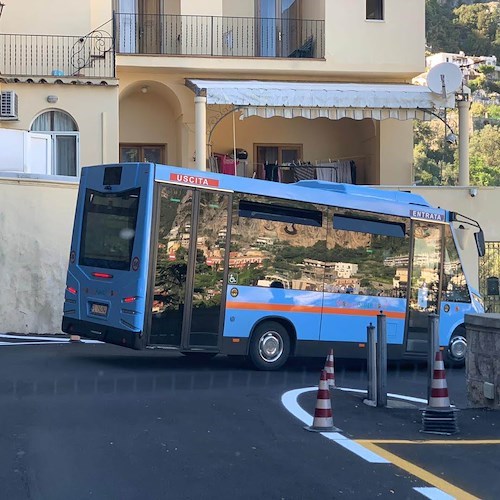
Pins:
x,y
317,99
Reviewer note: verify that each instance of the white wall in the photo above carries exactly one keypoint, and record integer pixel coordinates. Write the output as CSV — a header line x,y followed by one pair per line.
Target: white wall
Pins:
x,y
36,221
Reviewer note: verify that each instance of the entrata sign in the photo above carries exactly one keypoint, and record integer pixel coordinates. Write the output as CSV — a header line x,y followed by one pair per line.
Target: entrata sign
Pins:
x,y
194,180
425,215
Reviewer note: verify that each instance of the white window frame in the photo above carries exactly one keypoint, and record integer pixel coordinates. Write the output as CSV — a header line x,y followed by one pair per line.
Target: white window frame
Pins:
x,y
53,136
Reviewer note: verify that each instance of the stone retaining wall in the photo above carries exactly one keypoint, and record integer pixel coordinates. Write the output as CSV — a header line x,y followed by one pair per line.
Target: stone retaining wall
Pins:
x,y
483,360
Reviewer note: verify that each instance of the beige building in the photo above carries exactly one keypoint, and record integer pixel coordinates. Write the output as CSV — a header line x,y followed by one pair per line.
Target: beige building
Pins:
x,y
186,82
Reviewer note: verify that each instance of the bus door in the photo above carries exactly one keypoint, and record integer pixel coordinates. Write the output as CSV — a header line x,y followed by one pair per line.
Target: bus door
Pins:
x,y
425,275
187,296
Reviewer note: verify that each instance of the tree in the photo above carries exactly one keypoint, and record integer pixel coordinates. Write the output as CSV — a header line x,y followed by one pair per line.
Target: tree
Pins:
x,y
485,156
478,28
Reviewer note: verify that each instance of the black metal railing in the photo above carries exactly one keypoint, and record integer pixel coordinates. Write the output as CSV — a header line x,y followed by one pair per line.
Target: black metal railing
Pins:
x,y
489,273
89,56
219,36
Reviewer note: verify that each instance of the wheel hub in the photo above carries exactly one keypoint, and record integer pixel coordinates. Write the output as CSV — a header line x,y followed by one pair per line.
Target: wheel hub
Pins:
x,y
271,346
458,346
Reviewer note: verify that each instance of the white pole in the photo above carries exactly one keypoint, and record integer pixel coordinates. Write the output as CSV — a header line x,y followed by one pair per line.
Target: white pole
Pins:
x,y
200,131
463,143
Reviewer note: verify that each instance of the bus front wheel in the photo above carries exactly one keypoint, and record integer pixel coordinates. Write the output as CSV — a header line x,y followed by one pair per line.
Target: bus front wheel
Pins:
x,y
457,347
270,346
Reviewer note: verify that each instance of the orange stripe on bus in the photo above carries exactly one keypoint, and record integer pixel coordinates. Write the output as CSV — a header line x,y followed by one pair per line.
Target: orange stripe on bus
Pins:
x,y
311,309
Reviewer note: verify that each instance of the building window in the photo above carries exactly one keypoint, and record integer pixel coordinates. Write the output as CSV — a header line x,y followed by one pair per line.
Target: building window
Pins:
x,y
137,153
65,140
375,9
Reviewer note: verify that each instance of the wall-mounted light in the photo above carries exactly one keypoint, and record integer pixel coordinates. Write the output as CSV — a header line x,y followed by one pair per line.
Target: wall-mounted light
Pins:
x,y
2,5
52,99
145,89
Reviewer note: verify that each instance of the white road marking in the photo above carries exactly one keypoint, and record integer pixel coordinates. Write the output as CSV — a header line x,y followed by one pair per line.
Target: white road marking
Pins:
x,y
30,340
434,493
356,448
289,400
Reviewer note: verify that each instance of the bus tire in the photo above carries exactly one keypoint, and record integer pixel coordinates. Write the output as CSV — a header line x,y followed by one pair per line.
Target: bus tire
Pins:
x,y
270,346
457,348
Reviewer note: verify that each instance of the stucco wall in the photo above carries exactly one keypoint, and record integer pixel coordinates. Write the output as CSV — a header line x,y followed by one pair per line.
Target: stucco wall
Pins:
x,y
37,17
36,220
93,107
396,152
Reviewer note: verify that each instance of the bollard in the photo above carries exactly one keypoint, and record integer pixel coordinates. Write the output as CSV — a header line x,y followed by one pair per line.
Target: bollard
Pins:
x,y
432,348
371,338
381,360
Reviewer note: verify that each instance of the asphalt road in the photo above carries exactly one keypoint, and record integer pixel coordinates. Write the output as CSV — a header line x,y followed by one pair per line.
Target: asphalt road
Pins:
x,y
92,421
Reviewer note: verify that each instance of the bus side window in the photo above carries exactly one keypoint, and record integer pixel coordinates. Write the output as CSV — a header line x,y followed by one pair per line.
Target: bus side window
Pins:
x,y
369,255
272,241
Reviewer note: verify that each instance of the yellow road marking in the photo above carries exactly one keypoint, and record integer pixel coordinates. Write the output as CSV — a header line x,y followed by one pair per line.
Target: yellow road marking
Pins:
x,y
416,471
430,441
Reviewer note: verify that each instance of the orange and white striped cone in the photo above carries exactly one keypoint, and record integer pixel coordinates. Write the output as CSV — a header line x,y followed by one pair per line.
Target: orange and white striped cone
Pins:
x,y
323,416
330,369
439,390
439,417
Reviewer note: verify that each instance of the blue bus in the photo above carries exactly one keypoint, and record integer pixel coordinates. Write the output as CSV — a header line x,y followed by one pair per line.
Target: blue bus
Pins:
x,y
206,263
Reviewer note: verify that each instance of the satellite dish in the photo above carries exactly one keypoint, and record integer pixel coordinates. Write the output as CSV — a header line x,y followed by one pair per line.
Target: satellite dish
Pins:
x,y
444,78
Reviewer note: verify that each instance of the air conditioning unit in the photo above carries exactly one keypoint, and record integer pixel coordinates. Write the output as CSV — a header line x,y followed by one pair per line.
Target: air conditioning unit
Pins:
x,y
8,105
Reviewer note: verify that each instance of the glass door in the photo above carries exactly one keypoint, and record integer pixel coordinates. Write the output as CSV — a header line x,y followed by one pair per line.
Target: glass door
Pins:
x,y
150,22
190,262
172,259
209,267
278,27
425,277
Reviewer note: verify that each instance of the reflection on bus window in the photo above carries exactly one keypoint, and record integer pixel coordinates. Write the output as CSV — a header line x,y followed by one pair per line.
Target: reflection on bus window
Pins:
x,y
426,262
368,255
454,285
272,242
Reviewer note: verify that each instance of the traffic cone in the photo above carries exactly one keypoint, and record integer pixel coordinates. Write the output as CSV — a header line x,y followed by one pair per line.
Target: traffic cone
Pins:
x,y
323,417
439,390
439,417
330,369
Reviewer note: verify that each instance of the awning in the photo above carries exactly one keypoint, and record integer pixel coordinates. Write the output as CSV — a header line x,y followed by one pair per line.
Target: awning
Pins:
x,y
315,99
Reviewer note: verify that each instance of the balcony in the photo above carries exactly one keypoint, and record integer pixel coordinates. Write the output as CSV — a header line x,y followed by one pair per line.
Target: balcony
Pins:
x,y
89,56
179,35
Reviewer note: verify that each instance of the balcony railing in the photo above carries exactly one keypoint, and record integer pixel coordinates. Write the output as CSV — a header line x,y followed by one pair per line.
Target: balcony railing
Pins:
x,y
89,56
219,36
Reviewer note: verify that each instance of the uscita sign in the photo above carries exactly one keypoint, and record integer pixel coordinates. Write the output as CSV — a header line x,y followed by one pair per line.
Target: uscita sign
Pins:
x,y
194,180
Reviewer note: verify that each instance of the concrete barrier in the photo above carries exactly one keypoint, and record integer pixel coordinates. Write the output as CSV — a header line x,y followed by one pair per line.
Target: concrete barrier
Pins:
x,y
483,360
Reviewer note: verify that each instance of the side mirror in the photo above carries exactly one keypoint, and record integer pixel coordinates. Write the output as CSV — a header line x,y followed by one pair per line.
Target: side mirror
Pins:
x,y
481,246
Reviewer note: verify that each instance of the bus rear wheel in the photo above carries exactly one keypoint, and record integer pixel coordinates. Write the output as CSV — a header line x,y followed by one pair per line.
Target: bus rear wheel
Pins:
x,y
270,346
457,348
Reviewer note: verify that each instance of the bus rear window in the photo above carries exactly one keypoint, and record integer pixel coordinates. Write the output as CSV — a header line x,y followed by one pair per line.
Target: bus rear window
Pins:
x,y
108,232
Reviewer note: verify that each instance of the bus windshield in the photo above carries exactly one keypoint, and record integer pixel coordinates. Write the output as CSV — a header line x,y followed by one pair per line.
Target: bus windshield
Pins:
x,y
109,224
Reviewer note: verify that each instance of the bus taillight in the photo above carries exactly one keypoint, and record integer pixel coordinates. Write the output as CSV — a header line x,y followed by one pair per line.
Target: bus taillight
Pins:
x,y
71,290
102,275
128,300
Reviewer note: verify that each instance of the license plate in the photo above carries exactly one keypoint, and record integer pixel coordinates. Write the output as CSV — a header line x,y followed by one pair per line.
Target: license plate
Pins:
x,y
99,309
